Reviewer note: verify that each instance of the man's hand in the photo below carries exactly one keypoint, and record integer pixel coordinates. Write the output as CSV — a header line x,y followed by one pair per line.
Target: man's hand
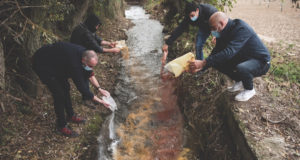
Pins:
x,y
196,65
214,40
104,92
112,44
96,99
115,50
165,48
105,104
164,58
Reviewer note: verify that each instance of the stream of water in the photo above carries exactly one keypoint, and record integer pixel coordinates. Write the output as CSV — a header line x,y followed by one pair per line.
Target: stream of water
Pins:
x,y
148,124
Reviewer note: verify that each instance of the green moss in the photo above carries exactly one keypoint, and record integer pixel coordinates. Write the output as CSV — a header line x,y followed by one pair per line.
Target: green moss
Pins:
x,y
152,3
95,125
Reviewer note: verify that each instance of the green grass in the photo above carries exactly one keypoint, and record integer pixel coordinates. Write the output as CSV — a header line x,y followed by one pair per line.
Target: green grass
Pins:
x,y
288,71
283,67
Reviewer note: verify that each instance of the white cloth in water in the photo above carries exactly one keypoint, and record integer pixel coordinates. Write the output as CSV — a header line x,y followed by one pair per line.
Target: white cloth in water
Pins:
x,y
111,102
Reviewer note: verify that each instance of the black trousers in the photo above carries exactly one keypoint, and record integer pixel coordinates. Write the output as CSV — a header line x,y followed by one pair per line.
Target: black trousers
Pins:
x,y
244,70
60,89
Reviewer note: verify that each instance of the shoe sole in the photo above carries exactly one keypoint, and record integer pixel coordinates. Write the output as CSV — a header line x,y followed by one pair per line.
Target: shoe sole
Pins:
x,y
231,91
244,100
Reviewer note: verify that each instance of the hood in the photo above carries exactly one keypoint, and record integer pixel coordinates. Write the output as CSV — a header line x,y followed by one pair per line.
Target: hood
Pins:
x,y
91,22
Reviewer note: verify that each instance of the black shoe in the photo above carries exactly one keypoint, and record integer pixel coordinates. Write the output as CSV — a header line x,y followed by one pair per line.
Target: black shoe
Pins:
x,y
68,132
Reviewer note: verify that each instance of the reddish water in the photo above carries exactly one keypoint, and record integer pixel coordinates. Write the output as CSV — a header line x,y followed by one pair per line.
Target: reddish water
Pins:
x,y
154,129
153,125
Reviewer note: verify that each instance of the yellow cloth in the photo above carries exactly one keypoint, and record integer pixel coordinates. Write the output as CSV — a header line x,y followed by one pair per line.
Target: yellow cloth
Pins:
x,y
124,49
180,64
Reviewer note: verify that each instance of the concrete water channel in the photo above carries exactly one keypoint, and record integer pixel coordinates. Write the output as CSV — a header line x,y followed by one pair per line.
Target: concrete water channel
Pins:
x,y
148,123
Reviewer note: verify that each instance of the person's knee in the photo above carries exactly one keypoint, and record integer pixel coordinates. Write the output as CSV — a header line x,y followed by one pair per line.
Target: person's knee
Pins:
x,y
243,69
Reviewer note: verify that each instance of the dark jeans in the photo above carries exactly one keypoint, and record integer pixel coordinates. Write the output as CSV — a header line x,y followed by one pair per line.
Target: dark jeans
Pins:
x,y
200,41
244,70
60,89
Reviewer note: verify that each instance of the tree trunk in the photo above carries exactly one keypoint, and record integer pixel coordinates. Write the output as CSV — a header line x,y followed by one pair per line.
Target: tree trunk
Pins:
x,y
2,67
79,14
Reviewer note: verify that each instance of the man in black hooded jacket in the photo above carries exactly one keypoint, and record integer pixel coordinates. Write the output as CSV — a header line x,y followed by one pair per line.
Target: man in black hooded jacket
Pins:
x,y
85,35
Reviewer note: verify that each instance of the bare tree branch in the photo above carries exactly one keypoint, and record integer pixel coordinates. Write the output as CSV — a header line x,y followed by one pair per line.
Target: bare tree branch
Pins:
x,y
16,11
22,7
23,30
32,23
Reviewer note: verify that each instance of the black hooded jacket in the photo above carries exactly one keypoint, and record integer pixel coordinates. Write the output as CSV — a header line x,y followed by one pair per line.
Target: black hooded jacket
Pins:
x,y
84,34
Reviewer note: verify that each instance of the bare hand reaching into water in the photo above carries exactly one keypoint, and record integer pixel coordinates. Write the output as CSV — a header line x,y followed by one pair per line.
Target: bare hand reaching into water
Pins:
x,y
96,99
196,65
165,54
104,92
112,44
164,58
105,104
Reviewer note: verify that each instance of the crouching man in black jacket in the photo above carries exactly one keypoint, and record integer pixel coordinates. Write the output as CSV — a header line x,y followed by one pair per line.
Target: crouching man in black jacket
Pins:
x,y
239,53
85,35
55,64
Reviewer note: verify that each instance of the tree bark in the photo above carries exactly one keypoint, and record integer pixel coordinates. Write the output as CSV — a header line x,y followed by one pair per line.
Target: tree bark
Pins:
x,y
2,67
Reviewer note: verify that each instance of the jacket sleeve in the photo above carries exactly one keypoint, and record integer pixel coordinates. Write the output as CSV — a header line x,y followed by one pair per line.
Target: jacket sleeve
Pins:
x,y
98,39
81,83
92,43
240,37
178,31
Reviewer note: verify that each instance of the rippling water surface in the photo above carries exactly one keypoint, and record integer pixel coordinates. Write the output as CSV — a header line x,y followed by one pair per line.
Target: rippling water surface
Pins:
x,y
148,124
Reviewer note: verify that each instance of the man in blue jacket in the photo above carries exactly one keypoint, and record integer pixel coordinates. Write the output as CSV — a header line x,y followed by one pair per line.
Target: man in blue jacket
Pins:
x,y
55,64
196,16
239,53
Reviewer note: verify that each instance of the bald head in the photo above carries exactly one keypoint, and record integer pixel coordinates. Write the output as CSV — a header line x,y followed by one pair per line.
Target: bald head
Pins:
x,y
218,21
90,58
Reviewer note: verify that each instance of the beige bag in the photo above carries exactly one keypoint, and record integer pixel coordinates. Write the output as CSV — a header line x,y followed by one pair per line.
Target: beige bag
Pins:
x,y
180,64
124,49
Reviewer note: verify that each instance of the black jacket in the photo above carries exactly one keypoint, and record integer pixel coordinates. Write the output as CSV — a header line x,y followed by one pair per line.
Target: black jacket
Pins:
x,y
81,35
205,11
237,39
62,60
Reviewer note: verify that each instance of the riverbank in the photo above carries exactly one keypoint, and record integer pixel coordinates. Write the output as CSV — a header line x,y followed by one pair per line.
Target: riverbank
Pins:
x,y
28,132
265,127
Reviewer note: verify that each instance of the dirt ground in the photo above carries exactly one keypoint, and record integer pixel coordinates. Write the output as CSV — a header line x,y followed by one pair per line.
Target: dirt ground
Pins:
x,y
269,22
271,121
28,125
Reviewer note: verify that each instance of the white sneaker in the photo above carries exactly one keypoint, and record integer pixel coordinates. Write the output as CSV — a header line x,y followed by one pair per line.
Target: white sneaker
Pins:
x,y
245,95
238,86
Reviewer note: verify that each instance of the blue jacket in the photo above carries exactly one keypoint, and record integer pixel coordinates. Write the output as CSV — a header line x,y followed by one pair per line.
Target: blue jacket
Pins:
x,y
237,39
205,11
62,60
